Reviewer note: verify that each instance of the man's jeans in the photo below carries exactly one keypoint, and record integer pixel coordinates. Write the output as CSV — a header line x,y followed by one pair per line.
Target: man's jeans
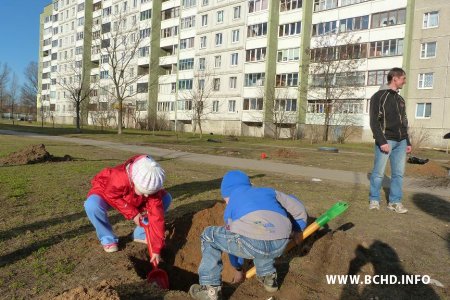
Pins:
x,y
97,211
216,239
397,157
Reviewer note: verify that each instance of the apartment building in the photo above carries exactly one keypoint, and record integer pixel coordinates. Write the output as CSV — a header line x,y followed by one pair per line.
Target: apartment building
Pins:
x,y
428,92
241,67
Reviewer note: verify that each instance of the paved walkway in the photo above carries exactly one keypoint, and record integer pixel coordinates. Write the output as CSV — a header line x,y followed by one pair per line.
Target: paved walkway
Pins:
x,y
349,177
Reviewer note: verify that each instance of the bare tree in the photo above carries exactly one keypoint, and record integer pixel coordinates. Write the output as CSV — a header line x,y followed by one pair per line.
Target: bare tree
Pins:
x,y
120,48
75,83
203,88
4,79
30,87
13,94
334,79
283,110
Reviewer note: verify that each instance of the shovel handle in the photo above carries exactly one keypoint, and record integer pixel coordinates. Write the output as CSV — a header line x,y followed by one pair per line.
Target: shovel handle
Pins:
x,y
307,232
149,244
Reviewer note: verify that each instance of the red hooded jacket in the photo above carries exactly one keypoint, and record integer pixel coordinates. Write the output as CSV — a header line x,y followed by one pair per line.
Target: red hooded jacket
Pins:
x,y
115,186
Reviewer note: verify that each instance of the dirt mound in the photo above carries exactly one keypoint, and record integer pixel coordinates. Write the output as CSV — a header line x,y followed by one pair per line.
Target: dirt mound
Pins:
x,y
103,291
31,155
430,169
183,246
285,153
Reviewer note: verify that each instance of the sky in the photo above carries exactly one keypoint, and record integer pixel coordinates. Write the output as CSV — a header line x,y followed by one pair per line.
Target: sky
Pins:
x,y
19,32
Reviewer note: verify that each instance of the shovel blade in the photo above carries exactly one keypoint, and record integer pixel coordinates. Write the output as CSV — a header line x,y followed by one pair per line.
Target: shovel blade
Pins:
x,y
159,278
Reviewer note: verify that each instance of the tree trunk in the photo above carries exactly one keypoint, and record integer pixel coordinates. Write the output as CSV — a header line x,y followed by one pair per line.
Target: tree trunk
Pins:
x,y
78,117
119,118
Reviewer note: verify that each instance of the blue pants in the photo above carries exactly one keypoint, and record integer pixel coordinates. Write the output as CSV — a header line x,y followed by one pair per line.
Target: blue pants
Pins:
x,y
216,239
397,158
97,211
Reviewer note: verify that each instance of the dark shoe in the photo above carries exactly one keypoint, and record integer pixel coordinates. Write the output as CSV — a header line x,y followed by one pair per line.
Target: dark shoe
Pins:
x,y
269,282
205,292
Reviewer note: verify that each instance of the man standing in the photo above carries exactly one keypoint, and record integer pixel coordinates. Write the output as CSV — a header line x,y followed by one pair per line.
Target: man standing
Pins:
x,y
390,130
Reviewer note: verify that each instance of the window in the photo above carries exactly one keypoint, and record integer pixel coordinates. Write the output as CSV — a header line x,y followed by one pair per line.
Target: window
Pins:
x,y
201,84
103,74
257,30
202,42
233,82
286,5
324,4
144,51
338,79
354,24
204,20
386,48
324,28
142,87
187,43
184,105
252,104
216,82
170,13
186,64
431,19
291,54
350,2
107,11
188,3
201,63
220,16
425,81
205,2
146,14
254,79
81,21
105,59
105,43
286,79
234,59
286,105
106,27
185,84
428,50
423,110
217,61
80,36
257,5
236,12
144,33
219,39
215,107
235,36
289,29
231,105
188,22
257,54
378,77
389,18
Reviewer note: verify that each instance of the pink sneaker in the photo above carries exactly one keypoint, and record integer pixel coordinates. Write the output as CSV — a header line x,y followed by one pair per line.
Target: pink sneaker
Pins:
x,y
111,247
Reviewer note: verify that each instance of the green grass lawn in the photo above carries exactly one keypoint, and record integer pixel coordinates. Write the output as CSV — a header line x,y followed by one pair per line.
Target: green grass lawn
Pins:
x,y
47,245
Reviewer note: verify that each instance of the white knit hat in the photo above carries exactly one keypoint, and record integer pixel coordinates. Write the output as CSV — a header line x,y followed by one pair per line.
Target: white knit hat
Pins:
x,y
147,175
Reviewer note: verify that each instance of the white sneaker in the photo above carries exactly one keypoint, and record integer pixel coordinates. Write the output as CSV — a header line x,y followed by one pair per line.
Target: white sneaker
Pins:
x,y
374,205
397,207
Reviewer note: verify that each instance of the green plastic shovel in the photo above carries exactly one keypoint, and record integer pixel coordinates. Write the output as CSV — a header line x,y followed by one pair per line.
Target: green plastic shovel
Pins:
x,y
336,210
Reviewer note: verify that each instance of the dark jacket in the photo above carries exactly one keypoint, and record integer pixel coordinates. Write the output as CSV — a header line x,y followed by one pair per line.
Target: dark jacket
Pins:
x,y
388,119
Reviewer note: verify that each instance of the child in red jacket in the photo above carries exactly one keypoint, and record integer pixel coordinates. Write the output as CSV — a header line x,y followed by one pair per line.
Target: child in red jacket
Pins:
x,y
133,188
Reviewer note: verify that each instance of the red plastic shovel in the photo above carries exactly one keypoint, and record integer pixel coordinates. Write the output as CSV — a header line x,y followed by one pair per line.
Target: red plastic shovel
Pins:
x,y
156,276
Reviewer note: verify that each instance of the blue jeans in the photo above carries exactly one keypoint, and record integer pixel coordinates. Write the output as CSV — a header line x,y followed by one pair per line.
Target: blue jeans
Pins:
x,y
216,239
97,211
397,158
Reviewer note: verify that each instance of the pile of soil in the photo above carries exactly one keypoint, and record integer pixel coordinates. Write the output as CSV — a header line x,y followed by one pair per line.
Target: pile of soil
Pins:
x,y
430,169
285,153
32,154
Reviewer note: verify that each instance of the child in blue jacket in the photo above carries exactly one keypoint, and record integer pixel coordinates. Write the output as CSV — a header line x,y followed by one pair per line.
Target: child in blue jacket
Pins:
x,y
259,222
